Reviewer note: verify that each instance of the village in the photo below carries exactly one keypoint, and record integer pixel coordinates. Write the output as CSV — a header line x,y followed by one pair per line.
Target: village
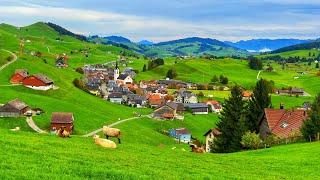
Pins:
x,y
106,81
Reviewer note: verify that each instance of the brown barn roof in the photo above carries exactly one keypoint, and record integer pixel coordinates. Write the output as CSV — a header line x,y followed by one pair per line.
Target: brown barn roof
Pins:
x,y
182,131
17,104
43,78
60,117
283,122
215,131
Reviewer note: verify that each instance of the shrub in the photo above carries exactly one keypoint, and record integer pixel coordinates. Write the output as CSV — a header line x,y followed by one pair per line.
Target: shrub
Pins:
x,y
251,140
80,70
318,73
200,94
271,141
9,58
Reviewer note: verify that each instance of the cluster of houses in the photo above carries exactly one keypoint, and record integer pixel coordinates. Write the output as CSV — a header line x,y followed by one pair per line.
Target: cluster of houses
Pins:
x,y
36,81
119,88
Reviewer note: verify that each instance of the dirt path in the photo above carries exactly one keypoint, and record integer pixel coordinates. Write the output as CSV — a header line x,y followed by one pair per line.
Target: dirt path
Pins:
x,y
113,124
33,126
10,62
258,74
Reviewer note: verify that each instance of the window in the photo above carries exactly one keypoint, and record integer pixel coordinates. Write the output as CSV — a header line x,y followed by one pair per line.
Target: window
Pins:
x,y
284,124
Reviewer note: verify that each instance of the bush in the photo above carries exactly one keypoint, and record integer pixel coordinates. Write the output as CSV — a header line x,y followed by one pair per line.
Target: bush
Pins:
x,y
80,70
200,94
255,63
318,73
251,140
271,141
171,74
9,58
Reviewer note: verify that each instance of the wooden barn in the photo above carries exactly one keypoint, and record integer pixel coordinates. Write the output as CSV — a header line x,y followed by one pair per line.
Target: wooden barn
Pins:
x,y
62,120
19,76
38,82
14,108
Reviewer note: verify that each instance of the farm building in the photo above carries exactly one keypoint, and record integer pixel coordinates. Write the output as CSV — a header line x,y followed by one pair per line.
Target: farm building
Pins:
x,y
155,100
115,97
14,108
124,79
197,108
210,135
181,134
246,95
62,120
292,91
38,82
61,61
282,123
167,111
184,96
214,105
19,76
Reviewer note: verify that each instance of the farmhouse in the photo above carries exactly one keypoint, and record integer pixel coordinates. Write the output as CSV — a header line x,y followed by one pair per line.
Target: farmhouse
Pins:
x,y
61,61
14,108
19,76
38,82
184,96
62,120
214,105
181,134
155,100
197,108
115,97
167,111
282,123
124,79
210,135
291,91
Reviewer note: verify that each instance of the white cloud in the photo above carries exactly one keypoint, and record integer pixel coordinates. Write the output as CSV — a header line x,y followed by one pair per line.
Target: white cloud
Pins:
x,y
155,28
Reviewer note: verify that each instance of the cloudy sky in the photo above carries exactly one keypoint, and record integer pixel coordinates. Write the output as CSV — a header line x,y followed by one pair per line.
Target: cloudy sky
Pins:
x,y
160,20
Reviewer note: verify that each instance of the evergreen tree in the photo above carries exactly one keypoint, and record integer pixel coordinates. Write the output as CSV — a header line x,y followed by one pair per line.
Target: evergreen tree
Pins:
x,y
231,124
171,74
144,69
259,100
311,127
317,65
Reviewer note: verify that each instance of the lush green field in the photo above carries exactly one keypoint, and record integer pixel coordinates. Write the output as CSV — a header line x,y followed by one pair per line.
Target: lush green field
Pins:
x,y
146,154
300,53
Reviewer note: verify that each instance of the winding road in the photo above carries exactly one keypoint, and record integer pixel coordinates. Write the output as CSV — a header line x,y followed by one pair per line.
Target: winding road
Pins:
x,y
113,124
10,62
258,74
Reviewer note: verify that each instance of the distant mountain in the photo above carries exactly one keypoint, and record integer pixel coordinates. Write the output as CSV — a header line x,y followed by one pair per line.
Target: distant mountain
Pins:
x,y
265,45
193,46
145,42
305,46
118,39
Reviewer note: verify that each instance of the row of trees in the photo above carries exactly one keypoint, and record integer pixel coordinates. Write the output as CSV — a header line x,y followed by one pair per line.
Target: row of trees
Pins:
x,y
221,79
153,64
240,116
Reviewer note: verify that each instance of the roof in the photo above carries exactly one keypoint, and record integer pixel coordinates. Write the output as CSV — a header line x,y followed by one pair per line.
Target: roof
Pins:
x,y
123,76
61,117
22,72
17,104
215,132
283,122
43,78
115,95
182,131
196,105
246,93
211,102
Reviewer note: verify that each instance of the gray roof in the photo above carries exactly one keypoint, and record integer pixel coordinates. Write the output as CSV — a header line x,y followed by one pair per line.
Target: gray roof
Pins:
x,y
16,103
43,78
196,105
115,95
123,76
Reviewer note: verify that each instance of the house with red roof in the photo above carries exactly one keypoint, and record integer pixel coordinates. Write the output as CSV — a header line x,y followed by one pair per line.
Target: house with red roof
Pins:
x,y
282,123
38,82
214,105
155,100
19,76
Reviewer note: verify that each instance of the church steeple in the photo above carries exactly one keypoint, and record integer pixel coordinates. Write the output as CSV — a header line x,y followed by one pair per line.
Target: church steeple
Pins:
x,y
116,72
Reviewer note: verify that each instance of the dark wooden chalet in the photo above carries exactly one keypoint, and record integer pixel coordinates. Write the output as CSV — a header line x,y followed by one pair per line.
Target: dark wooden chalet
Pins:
x,y
14,108
62,120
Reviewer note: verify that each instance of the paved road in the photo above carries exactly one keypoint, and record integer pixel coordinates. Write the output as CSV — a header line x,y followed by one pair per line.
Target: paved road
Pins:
x,y
10,62
33,126
113,124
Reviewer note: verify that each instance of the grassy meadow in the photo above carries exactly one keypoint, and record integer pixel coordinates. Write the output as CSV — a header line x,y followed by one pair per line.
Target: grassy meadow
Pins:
x,y
145,153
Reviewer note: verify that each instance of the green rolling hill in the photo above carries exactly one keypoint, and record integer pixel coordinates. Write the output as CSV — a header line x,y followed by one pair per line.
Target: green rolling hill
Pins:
x,y
144,153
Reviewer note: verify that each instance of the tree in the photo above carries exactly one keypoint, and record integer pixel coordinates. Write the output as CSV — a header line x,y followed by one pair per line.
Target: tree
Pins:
x,y
215,79
251,140
255,63
231,124
171,74
317,65
224,80
258,102
144,69
311,127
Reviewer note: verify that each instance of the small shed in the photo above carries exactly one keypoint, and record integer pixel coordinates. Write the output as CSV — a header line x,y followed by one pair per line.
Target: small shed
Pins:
x,y
181,134
62,120
198,108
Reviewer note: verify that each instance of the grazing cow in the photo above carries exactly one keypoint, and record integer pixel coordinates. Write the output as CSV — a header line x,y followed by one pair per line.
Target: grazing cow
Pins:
x,y
196,149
